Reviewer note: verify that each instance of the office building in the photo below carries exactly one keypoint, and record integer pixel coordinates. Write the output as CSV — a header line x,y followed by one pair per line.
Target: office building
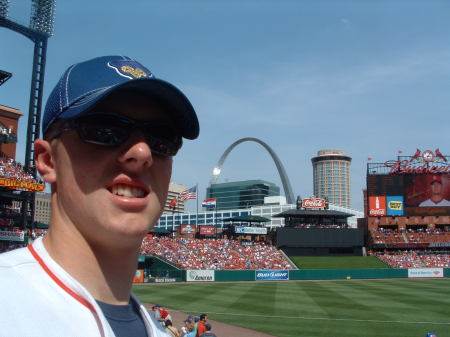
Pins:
x,y
174,192
42,207
241,194
331,170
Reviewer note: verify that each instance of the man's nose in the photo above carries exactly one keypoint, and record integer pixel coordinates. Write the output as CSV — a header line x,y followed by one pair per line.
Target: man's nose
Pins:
x,y
137,154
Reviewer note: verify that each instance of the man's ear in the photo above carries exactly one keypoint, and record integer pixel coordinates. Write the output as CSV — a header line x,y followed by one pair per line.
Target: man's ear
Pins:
x,y
44,160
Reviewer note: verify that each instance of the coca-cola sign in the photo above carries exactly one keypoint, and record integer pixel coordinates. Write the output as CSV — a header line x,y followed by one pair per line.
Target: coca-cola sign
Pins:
x,y
314,203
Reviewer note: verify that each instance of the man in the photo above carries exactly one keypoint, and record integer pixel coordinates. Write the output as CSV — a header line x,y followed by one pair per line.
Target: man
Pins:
x,y
208,332
436,194
201,325
110,132
156,313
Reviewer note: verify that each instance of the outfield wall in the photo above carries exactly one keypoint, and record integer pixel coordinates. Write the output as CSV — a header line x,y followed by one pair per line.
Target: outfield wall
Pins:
x,y
305,274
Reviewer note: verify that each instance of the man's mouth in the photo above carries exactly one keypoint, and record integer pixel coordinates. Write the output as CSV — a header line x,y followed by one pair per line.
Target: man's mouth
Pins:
x,y
128,191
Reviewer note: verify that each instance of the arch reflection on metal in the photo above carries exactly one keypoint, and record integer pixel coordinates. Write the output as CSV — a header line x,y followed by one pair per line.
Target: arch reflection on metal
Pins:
x,y
284,178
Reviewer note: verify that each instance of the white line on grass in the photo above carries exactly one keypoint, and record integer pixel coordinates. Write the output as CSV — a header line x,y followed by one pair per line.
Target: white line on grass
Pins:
x,y
325,318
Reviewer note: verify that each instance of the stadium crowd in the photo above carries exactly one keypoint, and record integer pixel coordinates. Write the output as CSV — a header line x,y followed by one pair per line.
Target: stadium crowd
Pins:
x,y
307,225
192,326
216,254
11,169
415,259
419,235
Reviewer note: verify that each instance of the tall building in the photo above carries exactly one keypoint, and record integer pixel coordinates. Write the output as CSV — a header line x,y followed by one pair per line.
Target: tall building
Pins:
x,y
42,208
174,192
241,194
331,169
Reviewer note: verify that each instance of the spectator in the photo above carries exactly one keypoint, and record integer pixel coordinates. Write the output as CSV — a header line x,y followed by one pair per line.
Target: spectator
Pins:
x,y
171,329
208,332
201,325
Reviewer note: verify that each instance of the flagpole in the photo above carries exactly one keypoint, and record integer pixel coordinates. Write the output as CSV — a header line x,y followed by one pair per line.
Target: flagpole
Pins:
x,y
196,217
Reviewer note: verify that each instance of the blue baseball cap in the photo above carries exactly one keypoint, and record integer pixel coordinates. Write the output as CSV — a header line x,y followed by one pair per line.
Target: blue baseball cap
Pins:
x,y
85,84
431,334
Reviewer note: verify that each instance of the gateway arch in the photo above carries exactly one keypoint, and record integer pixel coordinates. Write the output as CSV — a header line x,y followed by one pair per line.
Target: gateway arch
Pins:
x,y
281,171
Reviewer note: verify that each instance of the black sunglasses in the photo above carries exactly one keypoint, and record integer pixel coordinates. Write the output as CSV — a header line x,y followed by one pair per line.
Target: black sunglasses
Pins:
x,y
106,129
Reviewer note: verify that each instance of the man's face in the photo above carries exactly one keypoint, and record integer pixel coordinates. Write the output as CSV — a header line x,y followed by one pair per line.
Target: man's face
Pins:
x,y
436,191
112,194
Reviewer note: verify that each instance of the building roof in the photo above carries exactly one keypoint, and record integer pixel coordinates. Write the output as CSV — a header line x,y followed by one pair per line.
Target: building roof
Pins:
x,y
248,218
312,213
4,76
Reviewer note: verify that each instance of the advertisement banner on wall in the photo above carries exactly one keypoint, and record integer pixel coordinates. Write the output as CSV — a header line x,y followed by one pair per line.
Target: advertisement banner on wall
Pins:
x,y
200,275
394,205
188,229
271,275
425,272
207,230
250,230
139,276
377,205
314,203
12,236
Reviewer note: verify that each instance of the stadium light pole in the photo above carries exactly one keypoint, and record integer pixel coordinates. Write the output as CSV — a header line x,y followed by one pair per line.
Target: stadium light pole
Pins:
x,y
39,30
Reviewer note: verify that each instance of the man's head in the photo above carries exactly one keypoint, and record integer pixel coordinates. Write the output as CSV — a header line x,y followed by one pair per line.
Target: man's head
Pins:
x,y
203,317
85,84
436,189
190,318
111,129
208,327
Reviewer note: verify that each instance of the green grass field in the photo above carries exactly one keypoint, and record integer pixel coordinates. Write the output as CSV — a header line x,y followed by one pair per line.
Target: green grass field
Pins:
x,y
338,262
363,308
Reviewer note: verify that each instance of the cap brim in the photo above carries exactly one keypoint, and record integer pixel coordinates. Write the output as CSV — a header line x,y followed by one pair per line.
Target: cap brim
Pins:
x,y
179,106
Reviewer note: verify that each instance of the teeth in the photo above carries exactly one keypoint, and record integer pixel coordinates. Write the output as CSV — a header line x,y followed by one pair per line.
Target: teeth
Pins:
x,y
127,191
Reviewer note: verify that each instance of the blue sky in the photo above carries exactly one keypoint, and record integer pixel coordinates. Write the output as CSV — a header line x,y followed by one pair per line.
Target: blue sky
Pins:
x,y
367,77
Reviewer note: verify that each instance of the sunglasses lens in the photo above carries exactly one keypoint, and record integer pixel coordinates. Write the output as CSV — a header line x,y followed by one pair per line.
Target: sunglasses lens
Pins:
x,y
103,130
111,130
162,138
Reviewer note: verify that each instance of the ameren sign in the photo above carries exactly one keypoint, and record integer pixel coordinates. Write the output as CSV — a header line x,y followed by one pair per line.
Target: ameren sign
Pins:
x,y
200,276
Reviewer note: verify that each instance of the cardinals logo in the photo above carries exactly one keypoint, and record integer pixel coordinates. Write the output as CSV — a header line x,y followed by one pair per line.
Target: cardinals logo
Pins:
x,y
416,155
440,155
130,69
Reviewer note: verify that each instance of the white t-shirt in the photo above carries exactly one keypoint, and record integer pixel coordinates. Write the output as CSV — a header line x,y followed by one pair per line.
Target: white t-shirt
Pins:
x,y
429,202
40,299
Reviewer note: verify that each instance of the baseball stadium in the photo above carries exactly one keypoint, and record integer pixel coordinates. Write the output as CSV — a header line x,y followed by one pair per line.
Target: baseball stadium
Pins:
x,y
303,270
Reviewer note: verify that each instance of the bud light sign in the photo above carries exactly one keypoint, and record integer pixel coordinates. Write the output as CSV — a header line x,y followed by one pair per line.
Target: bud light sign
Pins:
x,y
271,275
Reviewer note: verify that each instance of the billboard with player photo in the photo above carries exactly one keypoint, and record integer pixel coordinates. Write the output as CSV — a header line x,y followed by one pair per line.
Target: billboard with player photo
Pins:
x,y
409,194
427,190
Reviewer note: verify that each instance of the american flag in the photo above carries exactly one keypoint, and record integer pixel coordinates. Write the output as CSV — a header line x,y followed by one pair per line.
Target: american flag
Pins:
x,y
190,193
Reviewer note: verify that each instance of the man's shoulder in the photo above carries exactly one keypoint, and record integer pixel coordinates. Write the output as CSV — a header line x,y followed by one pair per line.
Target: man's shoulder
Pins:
x,y
208,334
16,257
427,202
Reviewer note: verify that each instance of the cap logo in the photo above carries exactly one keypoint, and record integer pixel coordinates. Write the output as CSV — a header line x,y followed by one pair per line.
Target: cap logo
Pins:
x,y
129,69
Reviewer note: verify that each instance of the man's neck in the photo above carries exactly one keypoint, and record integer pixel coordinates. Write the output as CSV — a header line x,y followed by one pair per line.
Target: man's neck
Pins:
x,y
436,199
106,272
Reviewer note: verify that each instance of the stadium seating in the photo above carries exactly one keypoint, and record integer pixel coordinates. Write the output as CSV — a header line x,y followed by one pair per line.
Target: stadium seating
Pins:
x,y
9,168
220,254
415,259
388,236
